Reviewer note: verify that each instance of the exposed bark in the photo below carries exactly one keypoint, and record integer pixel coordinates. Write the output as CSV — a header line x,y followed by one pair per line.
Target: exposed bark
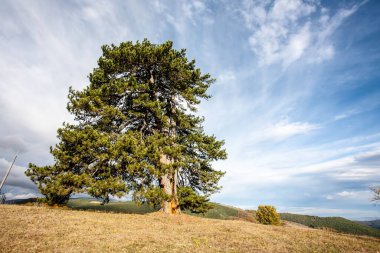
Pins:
x,y
175,202
165,186
168,183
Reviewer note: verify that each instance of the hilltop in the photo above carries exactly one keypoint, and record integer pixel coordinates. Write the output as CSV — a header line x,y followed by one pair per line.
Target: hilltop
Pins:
x,y
43,229
338,224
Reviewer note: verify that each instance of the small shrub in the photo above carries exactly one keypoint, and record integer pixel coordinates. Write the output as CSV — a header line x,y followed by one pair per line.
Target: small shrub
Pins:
x,y
268,215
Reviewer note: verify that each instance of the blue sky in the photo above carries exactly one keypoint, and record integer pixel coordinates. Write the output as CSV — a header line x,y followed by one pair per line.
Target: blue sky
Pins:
x,y
297,96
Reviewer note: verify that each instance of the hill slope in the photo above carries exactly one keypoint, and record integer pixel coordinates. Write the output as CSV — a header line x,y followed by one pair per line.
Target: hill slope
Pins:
x,y
232,213
371,223
336,223
42,229
227,213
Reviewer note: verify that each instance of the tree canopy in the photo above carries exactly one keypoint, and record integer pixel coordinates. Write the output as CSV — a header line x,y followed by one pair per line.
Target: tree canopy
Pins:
x,y
136,132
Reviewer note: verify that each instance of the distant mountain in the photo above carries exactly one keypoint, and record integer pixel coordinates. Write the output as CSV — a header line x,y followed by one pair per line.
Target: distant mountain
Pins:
x,y
337,224
371,223
20,201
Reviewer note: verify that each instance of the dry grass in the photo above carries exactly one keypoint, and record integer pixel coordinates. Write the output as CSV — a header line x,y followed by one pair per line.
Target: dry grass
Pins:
x,y
41,229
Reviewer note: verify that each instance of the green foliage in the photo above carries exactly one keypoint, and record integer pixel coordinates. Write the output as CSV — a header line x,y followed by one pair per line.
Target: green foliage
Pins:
x,y
52,186
190,200
268,215
337,223
40,200
139,106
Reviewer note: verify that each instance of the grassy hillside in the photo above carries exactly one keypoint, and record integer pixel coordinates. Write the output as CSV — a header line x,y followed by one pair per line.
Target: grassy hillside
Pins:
x,y
43,229
336,223
230,213
371,223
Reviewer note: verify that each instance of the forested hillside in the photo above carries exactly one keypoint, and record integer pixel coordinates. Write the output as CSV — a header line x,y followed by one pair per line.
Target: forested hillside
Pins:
x,y
338,224
371,223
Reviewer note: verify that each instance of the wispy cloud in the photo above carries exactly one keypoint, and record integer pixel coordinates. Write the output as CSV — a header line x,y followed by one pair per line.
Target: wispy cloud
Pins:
x,y
11,196
347,194
284,31
284,129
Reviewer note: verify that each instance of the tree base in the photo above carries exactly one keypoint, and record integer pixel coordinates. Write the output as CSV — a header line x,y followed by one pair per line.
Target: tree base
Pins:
x,y
171,207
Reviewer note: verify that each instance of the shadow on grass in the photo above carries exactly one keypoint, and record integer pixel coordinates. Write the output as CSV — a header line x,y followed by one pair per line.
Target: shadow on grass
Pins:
x,y
115,207
217,212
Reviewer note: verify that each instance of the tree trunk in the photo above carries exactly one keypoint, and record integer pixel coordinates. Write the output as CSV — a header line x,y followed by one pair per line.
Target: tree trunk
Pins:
x,y
168,183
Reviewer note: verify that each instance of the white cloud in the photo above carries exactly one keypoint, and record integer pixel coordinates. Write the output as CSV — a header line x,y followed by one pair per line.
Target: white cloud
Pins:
x,y
226,77
350,195
286,129
356,174
347,194
284,31
362,166
303,167
283,130
192,8
297,45
364,106
341,116
11,196
191,13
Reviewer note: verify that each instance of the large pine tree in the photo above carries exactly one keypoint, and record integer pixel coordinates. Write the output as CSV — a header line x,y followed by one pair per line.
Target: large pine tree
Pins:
x,y
136,132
